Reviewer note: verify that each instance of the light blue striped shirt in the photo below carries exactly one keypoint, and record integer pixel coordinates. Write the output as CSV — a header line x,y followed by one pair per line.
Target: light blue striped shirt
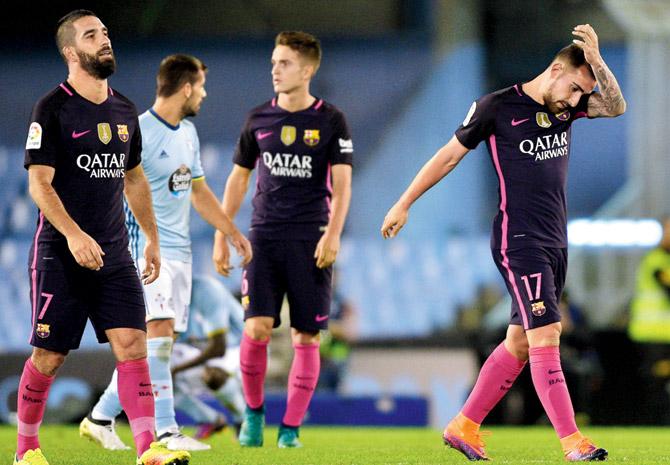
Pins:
x,y
171,160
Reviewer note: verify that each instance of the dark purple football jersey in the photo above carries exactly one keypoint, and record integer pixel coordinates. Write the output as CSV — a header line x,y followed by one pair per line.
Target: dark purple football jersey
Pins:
x,y
529,147
293,154
90,146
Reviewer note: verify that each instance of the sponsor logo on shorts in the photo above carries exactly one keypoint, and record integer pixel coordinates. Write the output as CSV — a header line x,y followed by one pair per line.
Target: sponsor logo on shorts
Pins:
x,y
104,133
311,137
245,302
538,308
321,318
122,131
43,330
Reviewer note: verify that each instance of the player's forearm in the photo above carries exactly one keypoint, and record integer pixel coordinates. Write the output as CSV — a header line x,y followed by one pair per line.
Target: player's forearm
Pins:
x,y
340,201
206,204
613,103
51,206
138,196
233,196
442,163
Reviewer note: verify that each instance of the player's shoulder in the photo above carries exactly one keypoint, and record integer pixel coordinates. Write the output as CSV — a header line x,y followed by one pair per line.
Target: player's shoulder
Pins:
x,y
189,126
500,96
54,99
265,107
122,100
328,108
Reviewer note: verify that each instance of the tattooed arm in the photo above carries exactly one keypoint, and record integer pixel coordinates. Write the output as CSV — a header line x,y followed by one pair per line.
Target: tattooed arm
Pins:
x,y
609,101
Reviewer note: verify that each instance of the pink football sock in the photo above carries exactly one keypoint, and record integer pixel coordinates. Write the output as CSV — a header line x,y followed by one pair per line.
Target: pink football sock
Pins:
x,y
253,365
137,398
32,401
545,368
495,378
302,380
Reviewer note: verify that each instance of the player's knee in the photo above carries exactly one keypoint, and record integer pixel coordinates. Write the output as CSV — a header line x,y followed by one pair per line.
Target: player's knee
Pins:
x,y
258,329
302,337
129,346
545,336
47,362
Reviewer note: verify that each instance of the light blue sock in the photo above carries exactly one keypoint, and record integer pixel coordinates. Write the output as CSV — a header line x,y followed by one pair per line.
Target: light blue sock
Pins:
x,y
159,350
109,405
199,411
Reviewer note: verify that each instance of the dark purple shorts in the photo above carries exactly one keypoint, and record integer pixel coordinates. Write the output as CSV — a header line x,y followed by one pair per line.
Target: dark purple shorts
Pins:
x,y
63,299
287,267
535,278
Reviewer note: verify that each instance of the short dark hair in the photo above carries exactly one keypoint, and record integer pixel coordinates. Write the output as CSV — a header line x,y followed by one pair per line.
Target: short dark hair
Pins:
x,y
304,43
573,55
65,30
175,71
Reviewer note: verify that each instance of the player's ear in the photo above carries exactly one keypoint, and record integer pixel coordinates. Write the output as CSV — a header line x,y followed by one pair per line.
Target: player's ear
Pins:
x,y
70,54
187,89
557,67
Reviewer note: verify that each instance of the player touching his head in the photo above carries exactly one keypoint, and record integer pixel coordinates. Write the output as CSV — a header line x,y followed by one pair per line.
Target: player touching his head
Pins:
x,y
83,155
171,161
527,132
302,150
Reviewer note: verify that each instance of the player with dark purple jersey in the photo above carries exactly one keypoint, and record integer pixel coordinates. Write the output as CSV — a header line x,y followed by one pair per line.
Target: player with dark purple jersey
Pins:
x,y
302,151
82,155
526,128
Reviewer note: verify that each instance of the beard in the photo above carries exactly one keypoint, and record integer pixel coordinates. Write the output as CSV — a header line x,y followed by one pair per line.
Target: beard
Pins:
x,y
95,66
189,110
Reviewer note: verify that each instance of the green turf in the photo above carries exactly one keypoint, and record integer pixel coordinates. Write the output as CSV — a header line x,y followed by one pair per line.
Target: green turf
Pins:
x,y
363,446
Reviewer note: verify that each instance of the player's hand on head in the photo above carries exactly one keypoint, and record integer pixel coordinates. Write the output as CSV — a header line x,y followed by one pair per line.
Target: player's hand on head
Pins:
x,y
221,256
326,250
588,41
85,250
394,220
242,246
152,258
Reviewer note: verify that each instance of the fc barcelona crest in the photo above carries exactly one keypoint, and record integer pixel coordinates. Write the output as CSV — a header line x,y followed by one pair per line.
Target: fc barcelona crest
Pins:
x,y
311,137
542,119
538,308
563,116
123,132
288,134
43,330
104,133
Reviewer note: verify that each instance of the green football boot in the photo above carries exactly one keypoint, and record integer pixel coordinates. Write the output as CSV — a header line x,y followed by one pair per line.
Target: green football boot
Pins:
x,y
251,434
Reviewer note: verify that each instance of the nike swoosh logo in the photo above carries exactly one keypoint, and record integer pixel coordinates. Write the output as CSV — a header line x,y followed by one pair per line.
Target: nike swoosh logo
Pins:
x,y
518,122
31,389
263,135
551,372
320,318
77,135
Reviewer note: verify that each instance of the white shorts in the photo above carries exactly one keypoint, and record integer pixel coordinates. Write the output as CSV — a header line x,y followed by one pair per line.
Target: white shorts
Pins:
x,y
169,296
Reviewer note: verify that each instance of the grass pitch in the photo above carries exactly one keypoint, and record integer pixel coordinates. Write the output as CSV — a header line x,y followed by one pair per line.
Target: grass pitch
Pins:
x,y
362,446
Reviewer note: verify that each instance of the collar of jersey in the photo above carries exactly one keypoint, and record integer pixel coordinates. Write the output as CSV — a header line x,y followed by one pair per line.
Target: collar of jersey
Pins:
x,y
174,128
